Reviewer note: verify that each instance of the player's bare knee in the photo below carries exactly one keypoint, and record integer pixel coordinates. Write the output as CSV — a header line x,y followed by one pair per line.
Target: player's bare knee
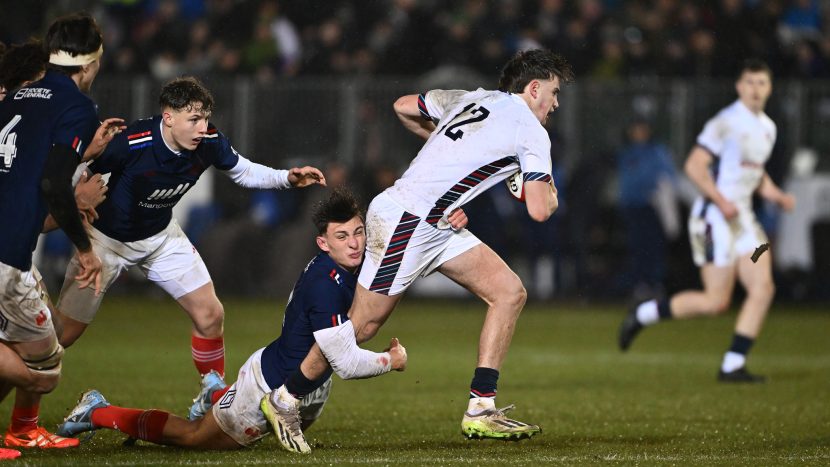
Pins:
x,y
210,320
42,383
512,294
762,289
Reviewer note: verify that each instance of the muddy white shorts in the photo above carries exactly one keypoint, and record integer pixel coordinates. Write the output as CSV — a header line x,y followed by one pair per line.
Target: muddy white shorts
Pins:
x,y
720,242
400,247
167,258
24,316
238,414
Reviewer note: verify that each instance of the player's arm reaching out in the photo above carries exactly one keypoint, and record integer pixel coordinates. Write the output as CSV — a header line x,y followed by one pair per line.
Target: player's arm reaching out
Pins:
x,y
249,174
108,129
697,168
771,192
56,185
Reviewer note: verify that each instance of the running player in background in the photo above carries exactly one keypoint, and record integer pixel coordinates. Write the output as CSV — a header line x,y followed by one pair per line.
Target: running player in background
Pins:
x,y
230,417
474,141
152,165
43,130
727,165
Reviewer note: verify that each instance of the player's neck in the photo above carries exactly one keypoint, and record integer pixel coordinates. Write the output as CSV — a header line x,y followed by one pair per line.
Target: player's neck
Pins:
x,y
167,137
752,109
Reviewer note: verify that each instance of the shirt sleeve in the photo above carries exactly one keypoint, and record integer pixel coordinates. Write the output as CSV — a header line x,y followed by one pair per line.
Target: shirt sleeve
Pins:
x,y
713,136
327,304
434,104
225,156
76,126
533,150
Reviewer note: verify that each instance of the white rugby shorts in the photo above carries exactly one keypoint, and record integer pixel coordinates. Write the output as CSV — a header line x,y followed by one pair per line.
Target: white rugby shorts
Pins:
x,y
24,315
400,247
238,414
166,258
720,242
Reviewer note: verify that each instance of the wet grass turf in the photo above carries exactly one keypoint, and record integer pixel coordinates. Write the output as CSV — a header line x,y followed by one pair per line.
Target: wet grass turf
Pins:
x,y
658,404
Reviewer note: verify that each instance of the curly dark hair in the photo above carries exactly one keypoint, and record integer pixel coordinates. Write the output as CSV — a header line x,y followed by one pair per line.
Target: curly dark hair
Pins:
x,y
528,65
21,63
341,206
186,93
76,34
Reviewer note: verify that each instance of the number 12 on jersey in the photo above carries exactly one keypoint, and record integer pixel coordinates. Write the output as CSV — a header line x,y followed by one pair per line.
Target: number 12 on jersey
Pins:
x,y
451,128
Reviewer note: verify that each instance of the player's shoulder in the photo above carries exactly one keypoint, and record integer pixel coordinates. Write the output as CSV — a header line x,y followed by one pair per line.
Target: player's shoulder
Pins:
x,y
139,134
323,273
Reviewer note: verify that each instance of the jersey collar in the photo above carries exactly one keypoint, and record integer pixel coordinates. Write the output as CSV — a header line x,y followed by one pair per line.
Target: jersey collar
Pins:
x,y
161,149
342,276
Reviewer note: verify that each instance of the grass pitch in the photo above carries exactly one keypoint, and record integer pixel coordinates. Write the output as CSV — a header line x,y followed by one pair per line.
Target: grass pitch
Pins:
x,y
658,404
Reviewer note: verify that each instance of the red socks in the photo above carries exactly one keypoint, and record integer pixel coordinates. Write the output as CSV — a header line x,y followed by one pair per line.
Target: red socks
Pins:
x,y
147,425
208,354
24,419
214,398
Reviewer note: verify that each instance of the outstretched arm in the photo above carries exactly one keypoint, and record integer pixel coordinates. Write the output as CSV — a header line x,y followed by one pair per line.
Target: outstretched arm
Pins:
x,y
406,108
252,175
103,135
337,347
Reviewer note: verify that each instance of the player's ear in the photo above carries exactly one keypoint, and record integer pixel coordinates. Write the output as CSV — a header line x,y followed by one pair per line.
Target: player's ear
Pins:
x,y
322,243
533,88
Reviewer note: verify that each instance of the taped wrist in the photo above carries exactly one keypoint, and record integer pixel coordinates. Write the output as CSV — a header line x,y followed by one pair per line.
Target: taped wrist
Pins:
x,y
345,357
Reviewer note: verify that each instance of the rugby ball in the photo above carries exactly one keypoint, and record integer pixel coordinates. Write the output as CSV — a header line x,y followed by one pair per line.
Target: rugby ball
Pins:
x,y
516,186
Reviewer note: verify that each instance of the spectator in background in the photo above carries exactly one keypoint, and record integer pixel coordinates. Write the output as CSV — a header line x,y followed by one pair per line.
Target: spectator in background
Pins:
x,y
643,166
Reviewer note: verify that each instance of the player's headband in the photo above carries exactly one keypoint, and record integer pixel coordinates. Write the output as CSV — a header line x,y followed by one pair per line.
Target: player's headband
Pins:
x,y
62,58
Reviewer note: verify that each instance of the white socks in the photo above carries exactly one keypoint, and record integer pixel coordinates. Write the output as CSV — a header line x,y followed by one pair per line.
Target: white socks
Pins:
x,y
647,313
480,404
732,361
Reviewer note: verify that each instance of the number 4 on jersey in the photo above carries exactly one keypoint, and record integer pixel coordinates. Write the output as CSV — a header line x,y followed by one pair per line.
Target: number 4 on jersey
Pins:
x,y
478,114
8,149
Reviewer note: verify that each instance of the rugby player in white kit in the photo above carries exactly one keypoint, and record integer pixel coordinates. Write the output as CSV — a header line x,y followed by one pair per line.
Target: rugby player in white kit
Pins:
x,y
727,166
474,141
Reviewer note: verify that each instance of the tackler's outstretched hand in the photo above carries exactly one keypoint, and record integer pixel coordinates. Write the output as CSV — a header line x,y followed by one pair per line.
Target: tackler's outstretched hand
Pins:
x,y
398,354
300,177
103,135
457,219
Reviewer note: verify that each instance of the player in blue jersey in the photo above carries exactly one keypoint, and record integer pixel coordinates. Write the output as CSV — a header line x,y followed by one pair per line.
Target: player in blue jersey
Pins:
x,y
44,128
152,165
318,303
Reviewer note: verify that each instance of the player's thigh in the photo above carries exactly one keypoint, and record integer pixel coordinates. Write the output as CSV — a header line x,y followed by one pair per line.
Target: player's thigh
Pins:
x,y
24,316
82,305
370,310
481,271
756,276
718,281
237,413
174,264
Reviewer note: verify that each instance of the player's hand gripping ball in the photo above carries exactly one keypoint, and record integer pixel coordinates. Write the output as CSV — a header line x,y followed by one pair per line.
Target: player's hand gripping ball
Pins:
x,y
516,186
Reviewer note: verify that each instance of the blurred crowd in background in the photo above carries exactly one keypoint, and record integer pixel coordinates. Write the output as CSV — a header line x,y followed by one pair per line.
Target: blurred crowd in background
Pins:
x,y
605,39
620,229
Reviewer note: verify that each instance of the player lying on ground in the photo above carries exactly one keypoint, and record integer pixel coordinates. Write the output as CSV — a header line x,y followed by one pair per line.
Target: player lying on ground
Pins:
x,y
152,165
474,140
727,165
230,417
